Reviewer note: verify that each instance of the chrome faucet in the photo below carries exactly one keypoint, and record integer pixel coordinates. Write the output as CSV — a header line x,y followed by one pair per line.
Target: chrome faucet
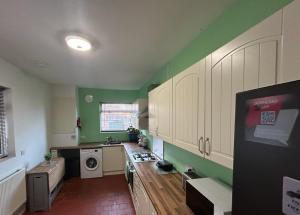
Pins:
x,y
109,139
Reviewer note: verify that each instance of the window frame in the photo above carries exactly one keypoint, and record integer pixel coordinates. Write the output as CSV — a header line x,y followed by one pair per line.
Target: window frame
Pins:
x,y
100,121
3,146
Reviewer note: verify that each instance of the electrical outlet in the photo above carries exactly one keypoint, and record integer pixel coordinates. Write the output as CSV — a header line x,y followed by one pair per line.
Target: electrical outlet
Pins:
x,y
291,196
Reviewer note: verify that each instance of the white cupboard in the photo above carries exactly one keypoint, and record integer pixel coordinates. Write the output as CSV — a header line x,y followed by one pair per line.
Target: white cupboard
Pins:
x,y
204,94
152,112
290,69
248,65
160,111
141,200
64,116
113,160
190,89
164,110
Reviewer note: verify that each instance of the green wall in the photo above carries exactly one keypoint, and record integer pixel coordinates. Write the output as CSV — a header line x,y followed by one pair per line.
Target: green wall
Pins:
x,y
239,17
89,112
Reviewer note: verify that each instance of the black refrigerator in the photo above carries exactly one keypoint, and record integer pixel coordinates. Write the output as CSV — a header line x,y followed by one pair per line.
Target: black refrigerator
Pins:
x,y
266,174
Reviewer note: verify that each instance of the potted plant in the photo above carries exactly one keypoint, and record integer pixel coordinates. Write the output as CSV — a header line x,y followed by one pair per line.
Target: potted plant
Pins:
x,y
48,157
133,134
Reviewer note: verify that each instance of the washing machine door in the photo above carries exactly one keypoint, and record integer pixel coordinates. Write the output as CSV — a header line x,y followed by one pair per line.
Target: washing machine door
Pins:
x,y
91,163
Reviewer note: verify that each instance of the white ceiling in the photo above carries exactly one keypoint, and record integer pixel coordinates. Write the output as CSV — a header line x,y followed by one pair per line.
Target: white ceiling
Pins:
x,y
132,38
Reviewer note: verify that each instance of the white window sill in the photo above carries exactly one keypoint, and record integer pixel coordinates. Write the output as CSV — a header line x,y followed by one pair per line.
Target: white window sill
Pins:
x,y
6,158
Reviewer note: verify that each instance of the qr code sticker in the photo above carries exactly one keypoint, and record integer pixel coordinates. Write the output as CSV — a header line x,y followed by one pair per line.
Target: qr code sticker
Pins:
x,y
268,118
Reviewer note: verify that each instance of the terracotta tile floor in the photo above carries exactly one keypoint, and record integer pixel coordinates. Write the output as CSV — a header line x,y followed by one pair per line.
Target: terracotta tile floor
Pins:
x,y
102,196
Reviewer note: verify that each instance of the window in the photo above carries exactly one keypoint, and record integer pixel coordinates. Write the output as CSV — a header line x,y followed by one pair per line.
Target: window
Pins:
x,y
117,117
3,126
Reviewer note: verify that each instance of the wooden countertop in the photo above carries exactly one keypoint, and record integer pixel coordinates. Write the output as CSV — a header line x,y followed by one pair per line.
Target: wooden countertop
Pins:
x,y
46,168
164,190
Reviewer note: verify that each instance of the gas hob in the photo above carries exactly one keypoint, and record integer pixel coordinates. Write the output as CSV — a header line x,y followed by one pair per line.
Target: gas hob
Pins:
x,y
143,157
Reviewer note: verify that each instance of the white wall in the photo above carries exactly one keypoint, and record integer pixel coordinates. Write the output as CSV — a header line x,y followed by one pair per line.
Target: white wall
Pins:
x,y
31,111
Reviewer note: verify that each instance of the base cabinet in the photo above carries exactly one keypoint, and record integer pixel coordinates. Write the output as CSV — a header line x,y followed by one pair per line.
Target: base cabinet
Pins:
x,y
152,209
141,200
43,184
113,160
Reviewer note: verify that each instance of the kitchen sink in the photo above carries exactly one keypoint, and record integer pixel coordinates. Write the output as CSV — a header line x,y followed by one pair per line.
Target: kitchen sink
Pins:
x,y
113,142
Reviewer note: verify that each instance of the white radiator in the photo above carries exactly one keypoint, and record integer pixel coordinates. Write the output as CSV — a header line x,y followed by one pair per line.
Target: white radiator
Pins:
x,y
12,192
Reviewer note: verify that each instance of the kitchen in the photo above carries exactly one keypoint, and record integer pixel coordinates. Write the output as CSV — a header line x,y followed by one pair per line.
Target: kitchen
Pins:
x,y
73,85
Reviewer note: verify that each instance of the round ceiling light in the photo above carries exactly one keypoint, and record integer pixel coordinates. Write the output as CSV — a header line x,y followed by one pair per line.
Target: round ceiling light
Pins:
x,y
78,43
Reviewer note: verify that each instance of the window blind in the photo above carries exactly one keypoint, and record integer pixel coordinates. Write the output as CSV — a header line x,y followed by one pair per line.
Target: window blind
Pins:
x,y
3,126
117,117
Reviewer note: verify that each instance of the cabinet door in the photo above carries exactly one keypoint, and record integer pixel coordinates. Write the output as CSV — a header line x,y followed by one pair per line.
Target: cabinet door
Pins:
x,y
201,106
152,113
144,202
164,111
135,192
186,108
207,102
142,199
252,66
152,209
290,70
113,159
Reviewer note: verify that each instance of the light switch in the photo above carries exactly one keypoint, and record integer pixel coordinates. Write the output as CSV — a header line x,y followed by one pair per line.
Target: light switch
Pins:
x,y
291,196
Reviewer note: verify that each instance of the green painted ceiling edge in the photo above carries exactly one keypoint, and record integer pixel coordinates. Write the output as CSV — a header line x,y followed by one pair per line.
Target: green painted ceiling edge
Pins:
x,y
239,17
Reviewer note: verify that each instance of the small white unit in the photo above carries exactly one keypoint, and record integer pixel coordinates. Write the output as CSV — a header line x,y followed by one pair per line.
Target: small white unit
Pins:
x,y
91,163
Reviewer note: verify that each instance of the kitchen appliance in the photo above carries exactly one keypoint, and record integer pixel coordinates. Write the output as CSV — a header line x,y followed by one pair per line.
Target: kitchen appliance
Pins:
x,y
143,156
190,174
91,163
206,196
143,141
129,173
266,176
164,165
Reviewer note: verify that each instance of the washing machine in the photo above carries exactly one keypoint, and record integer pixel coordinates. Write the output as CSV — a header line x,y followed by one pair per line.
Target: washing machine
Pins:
x,y
91,163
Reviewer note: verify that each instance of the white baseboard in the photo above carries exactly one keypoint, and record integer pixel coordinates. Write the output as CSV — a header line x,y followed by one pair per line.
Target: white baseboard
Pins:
x,y
21,210
113,173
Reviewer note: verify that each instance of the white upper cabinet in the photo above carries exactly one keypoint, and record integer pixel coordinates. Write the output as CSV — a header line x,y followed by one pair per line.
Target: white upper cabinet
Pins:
x,y
152,113
248,65
185,109
164,111
160,111
204,95
189,107
64,116
290,69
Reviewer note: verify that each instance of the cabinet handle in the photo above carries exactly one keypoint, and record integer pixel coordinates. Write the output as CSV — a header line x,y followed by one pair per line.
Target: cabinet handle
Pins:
x,y
200,143
207,142
156,131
